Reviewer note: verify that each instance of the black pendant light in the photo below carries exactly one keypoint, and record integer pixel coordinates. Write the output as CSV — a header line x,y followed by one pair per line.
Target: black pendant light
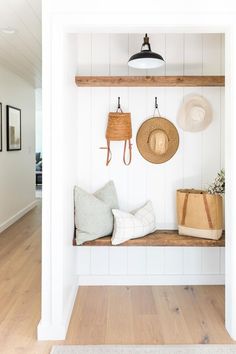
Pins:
x,y
146,59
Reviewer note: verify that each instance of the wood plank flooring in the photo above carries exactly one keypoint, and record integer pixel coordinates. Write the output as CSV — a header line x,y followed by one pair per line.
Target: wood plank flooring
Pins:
x,y
102,315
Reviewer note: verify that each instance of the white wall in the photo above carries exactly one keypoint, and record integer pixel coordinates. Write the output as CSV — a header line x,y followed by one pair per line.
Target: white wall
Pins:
x,y
38,120
60,128
195,165
17,168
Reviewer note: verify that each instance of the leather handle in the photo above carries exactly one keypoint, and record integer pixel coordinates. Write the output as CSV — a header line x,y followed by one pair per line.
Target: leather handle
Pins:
x,y
184,208
130,153
207,211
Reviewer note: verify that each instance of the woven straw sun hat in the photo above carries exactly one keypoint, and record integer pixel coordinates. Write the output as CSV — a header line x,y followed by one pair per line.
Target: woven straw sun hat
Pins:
x,y
157,140
195,114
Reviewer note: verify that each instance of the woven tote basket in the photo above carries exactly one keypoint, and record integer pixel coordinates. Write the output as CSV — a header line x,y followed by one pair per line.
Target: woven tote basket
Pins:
x,y
199,214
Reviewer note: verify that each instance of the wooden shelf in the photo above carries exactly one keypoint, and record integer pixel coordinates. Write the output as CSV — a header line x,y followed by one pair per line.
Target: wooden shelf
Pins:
x,y
152,81
162,238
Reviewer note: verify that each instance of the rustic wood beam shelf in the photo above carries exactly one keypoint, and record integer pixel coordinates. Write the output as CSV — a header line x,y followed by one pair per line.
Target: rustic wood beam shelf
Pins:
x,y
149,81
162,238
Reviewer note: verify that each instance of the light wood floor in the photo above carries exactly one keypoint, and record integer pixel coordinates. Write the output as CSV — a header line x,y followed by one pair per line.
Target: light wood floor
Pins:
x,y
102,315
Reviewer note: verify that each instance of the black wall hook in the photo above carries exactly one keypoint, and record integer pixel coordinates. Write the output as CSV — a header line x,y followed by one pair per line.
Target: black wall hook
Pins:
x,y
118,107
156,104
156,108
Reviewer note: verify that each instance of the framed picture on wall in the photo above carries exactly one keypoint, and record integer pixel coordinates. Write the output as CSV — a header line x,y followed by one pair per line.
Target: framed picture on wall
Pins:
x,y
13,128
0,127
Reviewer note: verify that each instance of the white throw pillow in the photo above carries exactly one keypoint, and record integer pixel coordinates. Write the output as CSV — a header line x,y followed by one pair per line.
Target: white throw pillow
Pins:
x,y
93,213
138,223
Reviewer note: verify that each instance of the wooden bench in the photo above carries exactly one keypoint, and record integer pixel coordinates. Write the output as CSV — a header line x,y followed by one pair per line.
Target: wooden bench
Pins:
x,y
161,238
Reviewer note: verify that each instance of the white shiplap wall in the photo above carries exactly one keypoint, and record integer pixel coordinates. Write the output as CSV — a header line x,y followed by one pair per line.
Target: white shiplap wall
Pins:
x,y
195,165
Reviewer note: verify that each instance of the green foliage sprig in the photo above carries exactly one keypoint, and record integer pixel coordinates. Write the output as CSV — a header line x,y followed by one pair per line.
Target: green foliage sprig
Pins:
x,y
218,186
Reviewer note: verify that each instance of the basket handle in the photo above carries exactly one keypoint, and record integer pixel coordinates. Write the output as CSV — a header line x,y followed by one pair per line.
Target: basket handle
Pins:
x,y
207,211
184,208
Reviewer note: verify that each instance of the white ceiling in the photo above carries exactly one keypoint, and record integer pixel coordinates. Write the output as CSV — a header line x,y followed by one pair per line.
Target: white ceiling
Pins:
x,y
21,52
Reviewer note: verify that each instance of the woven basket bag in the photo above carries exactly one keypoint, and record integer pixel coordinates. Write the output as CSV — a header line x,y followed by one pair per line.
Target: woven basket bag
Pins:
x,y
199,214
119,128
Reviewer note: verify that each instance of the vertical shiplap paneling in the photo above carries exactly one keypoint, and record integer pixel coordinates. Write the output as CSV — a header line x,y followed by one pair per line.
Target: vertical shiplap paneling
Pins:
x,y
211,54
173,260
99,260
83,260
118,260
192,260
222,260
84,58
99,108
211,144
192,142
118,172
137,171
119,52
211,260
174,167
192,149
195,162
211,136
174,54
192,54
100,63
137,260
100,54
155,260
84,113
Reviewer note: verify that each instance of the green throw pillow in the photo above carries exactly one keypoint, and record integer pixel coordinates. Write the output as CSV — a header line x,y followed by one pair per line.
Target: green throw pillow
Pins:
x,y
93,213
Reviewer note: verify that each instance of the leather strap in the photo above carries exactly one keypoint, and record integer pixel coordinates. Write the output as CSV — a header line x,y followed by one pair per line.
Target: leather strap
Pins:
x,y
130,153
207,211
109,153
184,208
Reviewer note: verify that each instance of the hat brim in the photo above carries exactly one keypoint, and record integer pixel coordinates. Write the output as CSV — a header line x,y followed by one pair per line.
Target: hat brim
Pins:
x,y
143,135
184,120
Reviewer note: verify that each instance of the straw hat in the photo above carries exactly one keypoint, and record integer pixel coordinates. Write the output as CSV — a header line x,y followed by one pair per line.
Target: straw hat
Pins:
x,y
157,140
195,114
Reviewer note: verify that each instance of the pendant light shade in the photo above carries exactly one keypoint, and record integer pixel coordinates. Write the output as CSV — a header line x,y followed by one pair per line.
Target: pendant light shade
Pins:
x,y
146,59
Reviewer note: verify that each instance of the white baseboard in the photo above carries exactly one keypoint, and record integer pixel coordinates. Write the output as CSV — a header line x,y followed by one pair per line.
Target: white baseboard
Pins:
x,y
180,279
49,331
17,216
57,331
